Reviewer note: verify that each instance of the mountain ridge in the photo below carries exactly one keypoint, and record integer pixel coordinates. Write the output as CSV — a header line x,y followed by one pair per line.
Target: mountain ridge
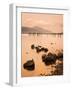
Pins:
x,y
36,29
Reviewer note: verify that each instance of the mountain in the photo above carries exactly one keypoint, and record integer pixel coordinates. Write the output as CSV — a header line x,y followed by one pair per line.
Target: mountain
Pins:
x,y
36,29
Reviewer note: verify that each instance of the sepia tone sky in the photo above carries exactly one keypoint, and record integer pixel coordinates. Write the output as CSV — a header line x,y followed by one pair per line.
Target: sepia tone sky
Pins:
x,y
50,22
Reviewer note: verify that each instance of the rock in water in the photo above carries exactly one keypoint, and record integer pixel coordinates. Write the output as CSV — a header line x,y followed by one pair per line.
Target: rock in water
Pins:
x,y
44,57
60,56
58,70
49,59
44,49
29,65
39,48
32,46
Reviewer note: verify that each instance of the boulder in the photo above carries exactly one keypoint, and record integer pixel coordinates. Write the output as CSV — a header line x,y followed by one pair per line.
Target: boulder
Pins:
x,y
49,59
60,56
32,46
29,65
40,49
44,49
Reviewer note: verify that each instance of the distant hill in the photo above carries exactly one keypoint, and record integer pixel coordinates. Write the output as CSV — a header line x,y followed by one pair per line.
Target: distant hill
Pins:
x,y
36,29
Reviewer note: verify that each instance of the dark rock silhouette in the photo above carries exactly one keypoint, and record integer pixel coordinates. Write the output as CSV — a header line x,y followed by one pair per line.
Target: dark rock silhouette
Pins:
x,y
44,49
43,57
32,46
49,59
60,56
39,48
29,65
59,69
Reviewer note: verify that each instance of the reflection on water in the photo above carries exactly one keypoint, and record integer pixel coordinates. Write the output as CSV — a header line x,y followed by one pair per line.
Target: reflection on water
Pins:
x,y
54,44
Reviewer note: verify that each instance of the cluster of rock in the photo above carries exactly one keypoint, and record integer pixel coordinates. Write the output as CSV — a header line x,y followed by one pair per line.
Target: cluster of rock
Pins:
x,y
51,58
39,48
47,58
58,70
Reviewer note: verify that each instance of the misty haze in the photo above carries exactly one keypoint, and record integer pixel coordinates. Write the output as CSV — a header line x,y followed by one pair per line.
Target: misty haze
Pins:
x,y
41,44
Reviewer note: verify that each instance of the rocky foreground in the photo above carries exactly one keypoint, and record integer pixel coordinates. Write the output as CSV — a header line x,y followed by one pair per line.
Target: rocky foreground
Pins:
x,y
53,59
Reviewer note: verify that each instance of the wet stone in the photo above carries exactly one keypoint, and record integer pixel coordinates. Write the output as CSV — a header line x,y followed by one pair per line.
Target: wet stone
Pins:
x,y
59,70
49,59
32,46
44,49
60,56
29,65
40,49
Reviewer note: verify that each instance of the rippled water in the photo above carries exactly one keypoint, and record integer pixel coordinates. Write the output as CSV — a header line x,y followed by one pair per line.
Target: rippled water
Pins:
x,y
52,42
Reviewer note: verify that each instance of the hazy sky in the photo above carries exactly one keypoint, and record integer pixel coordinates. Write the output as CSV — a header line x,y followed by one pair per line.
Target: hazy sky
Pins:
x,y
51,22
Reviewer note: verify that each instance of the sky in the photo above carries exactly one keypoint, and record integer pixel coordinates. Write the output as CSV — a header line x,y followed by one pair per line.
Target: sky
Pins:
x,y
50,22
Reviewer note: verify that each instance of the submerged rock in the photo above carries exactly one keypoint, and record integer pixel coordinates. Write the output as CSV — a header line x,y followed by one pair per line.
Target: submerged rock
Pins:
x,y
51,43
29,65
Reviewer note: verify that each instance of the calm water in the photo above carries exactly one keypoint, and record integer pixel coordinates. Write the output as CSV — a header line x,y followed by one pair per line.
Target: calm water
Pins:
x,y
54,43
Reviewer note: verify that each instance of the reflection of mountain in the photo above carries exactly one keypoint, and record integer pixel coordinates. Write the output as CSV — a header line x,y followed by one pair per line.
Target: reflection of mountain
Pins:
x,y
36,29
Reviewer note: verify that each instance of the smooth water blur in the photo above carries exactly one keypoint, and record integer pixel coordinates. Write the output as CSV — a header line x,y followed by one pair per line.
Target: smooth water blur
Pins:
x,y
52,42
